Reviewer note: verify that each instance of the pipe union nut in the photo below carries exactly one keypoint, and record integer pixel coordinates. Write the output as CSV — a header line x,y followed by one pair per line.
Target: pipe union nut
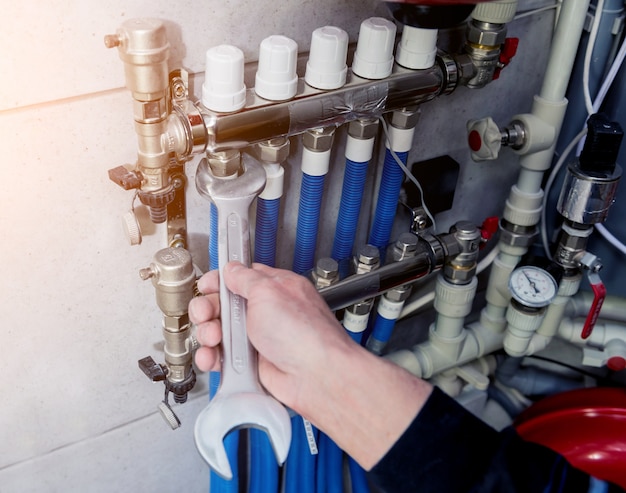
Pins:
x,y
274,150
405,118
485,34
401,293
319,139
459,275
363,129
361,308
367,259
224,163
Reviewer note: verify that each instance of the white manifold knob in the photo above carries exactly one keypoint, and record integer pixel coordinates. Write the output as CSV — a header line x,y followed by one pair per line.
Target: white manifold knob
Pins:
x,y
276,77
484,138
326,68
417,48
373,58
224,90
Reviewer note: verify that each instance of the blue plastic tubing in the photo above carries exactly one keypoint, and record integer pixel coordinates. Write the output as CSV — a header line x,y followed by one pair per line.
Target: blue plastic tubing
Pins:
x,y
329,466
231,442
266,229
390,184
349,209
301,464
311,192
383,328
263,467
357,477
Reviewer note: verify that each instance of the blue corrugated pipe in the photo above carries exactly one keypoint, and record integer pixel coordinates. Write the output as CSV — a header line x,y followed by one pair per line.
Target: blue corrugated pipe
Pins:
x,y
357,477
218,484
308,221
383,328
349,209
263,467
390,185
266,229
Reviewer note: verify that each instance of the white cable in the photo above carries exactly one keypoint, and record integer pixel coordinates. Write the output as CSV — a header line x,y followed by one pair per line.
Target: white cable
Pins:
x,y
588,54
608,236
407,172
528,13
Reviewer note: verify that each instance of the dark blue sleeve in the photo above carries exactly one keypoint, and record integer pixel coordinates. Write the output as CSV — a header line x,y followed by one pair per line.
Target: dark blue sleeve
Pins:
x,y
446,449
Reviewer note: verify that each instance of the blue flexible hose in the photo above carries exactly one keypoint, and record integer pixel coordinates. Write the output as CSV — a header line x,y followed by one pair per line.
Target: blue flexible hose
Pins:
x,y
329,466
213,236
308,221
231,442
301,464
349,209
266,230
263,467
383,328
390,184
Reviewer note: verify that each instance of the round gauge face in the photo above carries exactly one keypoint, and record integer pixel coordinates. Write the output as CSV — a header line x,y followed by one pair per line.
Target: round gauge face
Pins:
x,y
532,286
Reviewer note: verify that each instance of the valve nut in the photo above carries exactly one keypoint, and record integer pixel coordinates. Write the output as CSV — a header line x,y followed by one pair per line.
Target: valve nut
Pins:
x,y
363,128
400,293
405,246
367,259
224,163
274,150
318,139
405,118
326,272
485,34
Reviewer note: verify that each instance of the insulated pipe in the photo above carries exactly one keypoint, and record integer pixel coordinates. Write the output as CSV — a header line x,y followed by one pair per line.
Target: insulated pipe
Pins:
x,y
315,165
401,132
359,150
264,476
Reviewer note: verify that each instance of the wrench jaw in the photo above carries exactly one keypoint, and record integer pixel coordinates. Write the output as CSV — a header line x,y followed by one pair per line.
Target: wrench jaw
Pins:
x,y
228,412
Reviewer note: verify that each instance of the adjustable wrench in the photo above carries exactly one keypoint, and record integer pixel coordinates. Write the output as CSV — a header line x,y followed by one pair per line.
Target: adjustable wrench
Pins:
x,y
240,400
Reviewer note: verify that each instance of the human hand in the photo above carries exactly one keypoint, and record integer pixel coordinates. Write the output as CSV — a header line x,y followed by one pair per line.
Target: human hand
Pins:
x,y
288,323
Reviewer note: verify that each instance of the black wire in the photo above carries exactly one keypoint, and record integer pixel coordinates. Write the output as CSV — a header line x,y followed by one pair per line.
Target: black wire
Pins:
x,y
600,378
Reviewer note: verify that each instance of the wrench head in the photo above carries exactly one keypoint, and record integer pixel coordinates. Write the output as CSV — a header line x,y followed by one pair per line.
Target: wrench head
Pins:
x,y
232,411
217,189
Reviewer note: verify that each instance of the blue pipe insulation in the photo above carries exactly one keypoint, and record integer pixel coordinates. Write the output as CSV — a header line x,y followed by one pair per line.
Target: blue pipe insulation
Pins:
x,y
264,477
231,442
349,209
390,184
329,466
308,221
213,237
267,213
383,328
301,463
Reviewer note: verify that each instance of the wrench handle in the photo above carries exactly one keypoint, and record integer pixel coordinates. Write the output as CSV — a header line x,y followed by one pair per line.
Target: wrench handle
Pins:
x,y
238,354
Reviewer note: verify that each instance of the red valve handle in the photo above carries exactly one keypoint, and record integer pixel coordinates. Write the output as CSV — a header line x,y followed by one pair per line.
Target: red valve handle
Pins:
x,y
599,293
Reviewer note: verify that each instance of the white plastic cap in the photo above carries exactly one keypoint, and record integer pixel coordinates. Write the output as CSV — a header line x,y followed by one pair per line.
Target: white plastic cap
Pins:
x,y
417,48
224,90
326,68
373,58
498,12
276,77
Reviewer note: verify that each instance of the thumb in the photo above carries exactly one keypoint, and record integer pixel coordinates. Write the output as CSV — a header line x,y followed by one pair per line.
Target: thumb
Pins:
x,y
239,278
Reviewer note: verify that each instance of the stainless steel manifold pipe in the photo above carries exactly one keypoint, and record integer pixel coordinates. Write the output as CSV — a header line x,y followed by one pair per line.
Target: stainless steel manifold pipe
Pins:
x,y
261,120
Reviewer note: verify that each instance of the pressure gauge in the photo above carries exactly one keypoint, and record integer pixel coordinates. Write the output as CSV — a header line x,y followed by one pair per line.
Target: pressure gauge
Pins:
x,y
532,286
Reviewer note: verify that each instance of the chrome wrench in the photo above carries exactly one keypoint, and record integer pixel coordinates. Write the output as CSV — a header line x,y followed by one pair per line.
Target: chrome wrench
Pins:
x,y
240,401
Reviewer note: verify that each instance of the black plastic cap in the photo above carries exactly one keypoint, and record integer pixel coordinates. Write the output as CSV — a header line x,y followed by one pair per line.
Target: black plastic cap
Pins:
x,y
601,148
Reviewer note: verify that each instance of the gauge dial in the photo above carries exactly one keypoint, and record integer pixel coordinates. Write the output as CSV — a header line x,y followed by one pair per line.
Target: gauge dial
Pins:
x,y
532,286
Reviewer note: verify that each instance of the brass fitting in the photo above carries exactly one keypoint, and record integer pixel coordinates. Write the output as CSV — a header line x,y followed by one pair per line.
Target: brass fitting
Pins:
x,y
326,272
405,118
225,163
363,128
318,139
273,150
367,259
